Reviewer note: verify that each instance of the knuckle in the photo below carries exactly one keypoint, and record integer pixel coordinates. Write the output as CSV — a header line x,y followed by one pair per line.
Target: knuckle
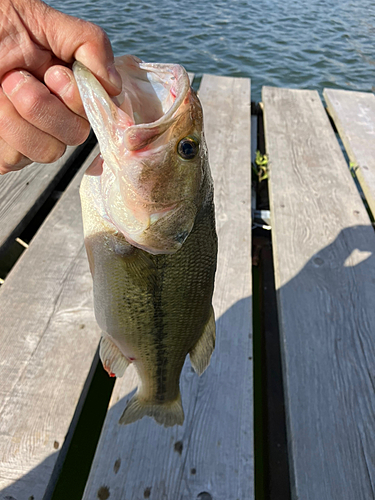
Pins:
x,y
32,105
93,32
99,34
81,134
8,127
4,120
6,123
51,154
11,159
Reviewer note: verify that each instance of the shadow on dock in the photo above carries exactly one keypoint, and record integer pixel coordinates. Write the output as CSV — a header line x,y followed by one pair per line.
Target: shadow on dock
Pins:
x,y
338,347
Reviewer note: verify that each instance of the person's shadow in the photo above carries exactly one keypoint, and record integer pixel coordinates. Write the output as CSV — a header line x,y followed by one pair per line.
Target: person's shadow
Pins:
x,y
327,325
327,330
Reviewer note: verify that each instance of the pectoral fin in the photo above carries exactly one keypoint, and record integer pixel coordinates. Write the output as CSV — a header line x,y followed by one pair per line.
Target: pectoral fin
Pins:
x,y
201,353
114,362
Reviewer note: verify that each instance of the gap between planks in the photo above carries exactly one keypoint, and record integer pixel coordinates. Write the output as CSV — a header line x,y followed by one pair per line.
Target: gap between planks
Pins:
x,y
354,116
324,250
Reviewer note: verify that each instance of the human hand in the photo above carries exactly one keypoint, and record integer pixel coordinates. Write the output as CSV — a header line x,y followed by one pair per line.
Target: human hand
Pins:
x,y
40,108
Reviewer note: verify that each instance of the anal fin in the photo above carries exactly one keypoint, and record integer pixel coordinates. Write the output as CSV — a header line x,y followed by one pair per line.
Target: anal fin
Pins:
x,y
114,362
200,354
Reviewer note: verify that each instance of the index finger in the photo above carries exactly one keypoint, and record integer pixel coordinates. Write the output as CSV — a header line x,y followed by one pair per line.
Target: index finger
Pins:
x,y
61,82
42,109
48,35
72,38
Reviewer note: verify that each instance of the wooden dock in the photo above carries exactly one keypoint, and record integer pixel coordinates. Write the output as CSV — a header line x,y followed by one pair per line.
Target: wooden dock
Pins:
x,y
323,246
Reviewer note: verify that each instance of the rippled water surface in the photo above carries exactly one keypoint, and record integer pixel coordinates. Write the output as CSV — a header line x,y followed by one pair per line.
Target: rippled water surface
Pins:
x,y
291,43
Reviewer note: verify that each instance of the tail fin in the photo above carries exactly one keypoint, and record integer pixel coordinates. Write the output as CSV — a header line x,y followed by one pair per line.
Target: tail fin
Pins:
x,y
167,414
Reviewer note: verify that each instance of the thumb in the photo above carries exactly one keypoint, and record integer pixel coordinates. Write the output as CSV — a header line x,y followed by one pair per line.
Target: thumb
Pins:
x,y
72,38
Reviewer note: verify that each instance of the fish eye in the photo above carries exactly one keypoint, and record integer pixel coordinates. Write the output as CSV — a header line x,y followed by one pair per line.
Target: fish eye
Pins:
x,y
188,148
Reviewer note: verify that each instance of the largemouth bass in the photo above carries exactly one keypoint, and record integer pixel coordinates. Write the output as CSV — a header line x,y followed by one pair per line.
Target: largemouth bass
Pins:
x,y
149,229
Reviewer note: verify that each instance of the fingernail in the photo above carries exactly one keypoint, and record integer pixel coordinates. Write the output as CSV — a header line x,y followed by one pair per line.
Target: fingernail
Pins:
x,y
114,77
14,81
96,167
62,81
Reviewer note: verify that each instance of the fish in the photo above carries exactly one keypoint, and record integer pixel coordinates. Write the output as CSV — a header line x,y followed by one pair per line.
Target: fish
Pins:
x,y
149,231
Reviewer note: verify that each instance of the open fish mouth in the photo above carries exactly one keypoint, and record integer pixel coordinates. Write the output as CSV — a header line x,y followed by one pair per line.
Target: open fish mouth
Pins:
x,y
151,97
152,144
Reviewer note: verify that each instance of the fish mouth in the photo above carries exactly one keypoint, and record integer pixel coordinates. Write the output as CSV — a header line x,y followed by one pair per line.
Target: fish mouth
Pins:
x,y
144,188
150,100
170,85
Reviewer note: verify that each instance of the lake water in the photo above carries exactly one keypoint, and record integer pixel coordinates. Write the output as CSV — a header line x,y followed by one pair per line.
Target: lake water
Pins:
x,y
291,43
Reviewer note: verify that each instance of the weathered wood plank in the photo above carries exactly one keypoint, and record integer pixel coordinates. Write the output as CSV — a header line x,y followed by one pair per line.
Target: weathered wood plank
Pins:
x,y
23,192
324,249
48,338
213,451
354,117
